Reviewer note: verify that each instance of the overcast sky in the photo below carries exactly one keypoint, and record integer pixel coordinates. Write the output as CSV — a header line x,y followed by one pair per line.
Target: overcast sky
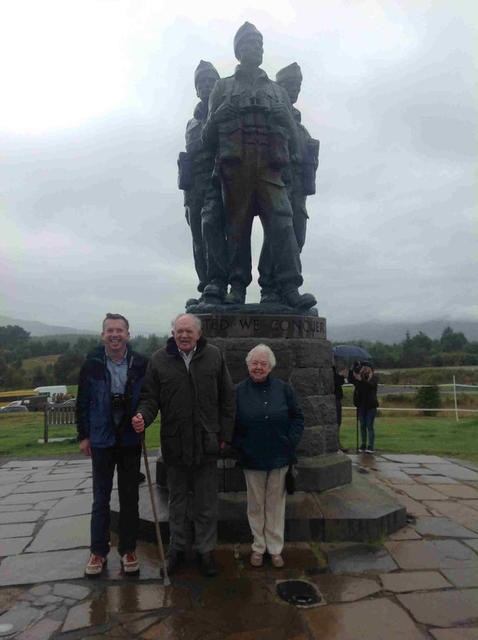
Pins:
x,y
95,100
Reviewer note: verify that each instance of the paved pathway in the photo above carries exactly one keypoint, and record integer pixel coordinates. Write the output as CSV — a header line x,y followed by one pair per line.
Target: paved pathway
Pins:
x,y
420,583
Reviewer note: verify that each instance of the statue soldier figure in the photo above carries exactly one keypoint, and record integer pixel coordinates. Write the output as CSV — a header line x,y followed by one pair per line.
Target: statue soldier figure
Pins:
x,y
299,178
202,197
250,124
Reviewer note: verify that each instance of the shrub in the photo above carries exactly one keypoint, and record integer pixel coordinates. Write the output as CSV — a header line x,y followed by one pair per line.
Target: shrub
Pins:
x,y
428,397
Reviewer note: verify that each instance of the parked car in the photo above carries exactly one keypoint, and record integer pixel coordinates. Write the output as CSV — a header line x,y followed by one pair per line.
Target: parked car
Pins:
x,y
68,403
18,408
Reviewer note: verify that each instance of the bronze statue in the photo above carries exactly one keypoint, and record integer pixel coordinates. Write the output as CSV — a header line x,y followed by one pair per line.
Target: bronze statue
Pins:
x,y
202,196
251,127
299,177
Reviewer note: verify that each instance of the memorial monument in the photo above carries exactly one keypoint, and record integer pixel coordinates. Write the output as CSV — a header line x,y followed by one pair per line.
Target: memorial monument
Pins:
x,y
249,154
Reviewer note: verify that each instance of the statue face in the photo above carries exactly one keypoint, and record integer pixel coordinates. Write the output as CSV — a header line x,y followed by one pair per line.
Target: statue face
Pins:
x,y
204,85
292,86
251,50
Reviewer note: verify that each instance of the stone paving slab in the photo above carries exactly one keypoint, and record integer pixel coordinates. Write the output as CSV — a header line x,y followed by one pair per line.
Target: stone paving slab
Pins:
x,y
13,546
413,581
455,634
378,619
459,491
28,515
29,464
420,492
454,471
53,485
17,530
42,630
462,577
406,458
457,511
473,544
443,528
359,559
405,533
67,533
345,588
443,608
88,614
42,567
432,554
71,506
20,616
30,498
432,479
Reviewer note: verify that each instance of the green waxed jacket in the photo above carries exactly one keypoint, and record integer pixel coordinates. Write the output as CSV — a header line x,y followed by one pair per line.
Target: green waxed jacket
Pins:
x,y
197,406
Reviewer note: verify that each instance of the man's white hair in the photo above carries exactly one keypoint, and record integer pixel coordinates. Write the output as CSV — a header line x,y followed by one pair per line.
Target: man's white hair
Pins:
x,y
262,348
197,321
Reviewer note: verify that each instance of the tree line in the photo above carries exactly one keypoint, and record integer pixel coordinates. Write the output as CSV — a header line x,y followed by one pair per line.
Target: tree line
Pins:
x,y
451,349
16,346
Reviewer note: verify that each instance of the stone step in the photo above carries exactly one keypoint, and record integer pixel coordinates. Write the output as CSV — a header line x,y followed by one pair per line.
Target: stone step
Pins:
x,y
359,511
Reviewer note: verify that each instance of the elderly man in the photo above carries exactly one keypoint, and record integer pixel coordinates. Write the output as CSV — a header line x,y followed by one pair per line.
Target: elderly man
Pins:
x,y
250,124
108,393
188,381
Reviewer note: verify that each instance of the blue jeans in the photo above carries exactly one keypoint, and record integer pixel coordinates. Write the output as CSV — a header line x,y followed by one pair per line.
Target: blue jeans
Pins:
x,y
367,418
127,461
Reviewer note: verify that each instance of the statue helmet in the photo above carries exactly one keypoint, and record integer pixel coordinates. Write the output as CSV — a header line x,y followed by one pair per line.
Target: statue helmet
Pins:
x,y
292,71
204,67
246,29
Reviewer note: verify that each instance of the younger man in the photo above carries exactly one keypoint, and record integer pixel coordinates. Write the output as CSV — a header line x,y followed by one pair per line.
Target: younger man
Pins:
x,y
108,392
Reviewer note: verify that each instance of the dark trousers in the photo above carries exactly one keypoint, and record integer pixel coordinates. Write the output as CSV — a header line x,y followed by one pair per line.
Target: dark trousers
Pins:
x,y
193,497
127,461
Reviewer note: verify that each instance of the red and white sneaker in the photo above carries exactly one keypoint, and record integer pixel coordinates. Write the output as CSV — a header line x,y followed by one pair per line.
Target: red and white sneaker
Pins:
x,y
95,566
130,564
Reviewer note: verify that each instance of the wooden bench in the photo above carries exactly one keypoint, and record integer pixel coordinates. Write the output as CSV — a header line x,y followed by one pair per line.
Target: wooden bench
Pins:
x,y
58,417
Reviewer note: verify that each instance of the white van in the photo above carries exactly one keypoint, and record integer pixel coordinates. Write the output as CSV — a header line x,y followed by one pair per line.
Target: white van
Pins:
x,y
49,391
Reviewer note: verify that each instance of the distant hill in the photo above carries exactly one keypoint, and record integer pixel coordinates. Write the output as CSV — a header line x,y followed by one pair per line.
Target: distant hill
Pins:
x,y
37,329
394,332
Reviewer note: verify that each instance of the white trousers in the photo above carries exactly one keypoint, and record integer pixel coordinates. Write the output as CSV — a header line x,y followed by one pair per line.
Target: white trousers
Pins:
x,y
266,508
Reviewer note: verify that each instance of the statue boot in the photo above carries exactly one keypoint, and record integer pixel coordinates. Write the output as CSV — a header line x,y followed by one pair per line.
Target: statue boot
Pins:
x,y
293,298
213,294
270,296
237,295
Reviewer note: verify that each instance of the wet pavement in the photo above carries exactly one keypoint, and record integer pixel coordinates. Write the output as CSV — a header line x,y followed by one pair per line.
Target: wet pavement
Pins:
x,y
419,583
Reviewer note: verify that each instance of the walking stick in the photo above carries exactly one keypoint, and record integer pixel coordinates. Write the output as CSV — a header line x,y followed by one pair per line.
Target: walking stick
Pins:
x,y
162,559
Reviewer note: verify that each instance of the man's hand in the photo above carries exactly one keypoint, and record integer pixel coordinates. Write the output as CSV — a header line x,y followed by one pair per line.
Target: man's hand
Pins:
x,y
138,423
85,447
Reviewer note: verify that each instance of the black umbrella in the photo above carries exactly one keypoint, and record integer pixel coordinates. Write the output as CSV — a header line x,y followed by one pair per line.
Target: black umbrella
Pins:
x,y
351,351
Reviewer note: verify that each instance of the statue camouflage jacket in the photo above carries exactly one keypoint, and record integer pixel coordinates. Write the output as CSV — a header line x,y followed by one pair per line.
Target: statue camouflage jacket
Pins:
x,y
93,405
197,406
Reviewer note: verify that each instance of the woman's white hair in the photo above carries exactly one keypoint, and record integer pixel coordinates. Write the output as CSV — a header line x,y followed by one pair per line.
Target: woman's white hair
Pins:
x,y
262,348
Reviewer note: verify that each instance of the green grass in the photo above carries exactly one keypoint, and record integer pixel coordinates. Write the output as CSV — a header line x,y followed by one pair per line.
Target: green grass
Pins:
x,y
19,434
440,435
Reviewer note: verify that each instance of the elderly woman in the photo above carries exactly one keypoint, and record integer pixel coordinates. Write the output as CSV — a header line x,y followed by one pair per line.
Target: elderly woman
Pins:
x,y
268,427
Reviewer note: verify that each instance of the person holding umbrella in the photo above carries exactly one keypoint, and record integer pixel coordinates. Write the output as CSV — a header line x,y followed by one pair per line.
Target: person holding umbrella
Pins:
x,y
365,399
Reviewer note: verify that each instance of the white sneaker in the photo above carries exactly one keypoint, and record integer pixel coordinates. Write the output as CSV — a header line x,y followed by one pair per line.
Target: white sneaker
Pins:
x,y
256,559
130,564
277,561
95,566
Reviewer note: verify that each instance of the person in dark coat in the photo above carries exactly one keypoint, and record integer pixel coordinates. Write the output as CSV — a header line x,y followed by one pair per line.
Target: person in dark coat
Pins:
x,y
188,381
108,392
365,399
269,426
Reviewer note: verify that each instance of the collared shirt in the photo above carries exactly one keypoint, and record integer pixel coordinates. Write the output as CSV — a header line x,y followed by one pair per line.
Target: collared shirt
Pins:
x,y
118,372
187,357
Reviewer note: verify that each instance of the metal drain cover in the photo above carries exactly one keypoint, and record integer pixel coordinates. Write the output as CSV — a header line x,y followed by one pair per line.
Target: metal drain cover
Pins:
x,y
299,593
